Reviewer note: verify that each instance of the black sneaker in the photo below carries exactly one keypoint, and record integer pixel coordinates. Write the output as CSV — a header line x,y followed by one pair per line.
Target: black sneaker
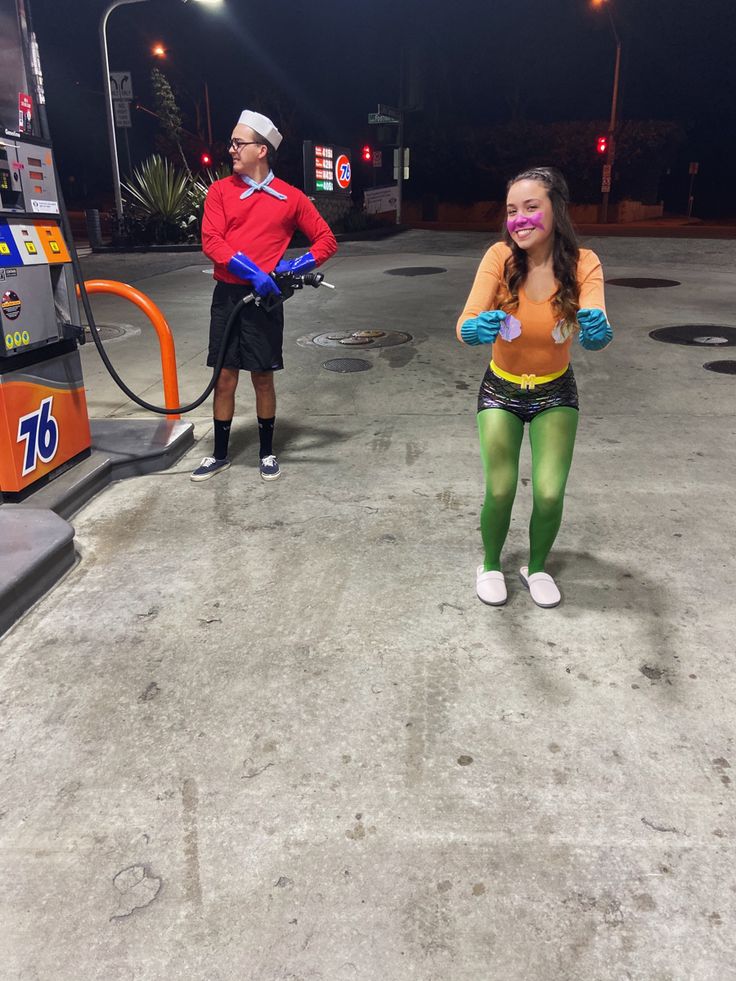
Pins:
x,y
209,467
269,468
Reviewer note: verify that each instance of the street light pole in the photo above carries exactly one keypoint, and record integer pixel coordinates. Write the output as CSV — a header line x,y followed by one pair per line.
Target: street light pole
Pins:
x,y
611,150
108,95
108,104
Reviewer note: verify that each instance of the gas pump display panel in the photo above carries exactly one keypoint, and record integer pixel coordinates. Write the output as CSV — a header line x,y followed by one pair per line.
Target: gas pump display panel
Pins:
x,y
327,169
16,105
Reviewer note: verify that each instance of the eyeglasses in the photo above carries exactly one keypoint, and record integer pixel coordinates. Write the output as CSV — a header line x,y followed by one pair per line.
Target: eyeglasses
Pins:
x,y
238,145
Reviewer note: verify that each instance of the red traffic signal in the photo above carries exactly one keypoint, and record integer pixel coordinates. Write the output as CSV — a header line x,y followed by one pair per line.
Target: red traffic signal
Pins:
x,y
601,145
205,160
366,154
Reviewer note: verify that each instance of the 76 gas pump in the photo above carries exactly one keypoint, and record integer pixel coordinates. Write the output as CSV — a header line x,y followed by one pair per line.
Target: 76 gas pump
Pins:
x,y
44,425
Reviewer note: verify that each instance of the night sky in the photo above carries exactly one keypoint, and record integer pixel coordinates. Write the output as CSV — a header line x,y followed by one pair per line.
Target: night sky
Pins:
x,y
319,68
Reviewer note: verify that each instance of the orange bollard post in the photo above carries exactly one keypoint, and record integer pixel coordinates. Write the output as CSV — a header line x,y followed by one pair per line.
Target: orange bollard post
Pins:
x,y
161,326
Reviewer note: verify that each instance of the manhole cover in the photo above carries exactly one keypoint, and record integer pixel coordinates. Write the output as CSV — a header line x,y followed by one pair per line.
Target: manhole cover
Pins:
x,y
366,339
107,332
700,334
344,365
415,271
354,339
642,283
722,367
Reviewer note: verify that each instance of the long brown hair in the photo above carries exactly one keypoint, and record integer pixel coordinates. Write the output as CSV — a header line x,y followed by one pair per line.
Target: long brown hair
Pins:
x,y
565,250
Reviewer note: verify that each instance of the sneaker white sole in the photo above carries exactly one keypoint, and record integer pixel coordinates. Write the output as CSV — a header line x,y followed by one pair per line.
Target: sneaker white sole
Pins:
x,y
272,476
206,476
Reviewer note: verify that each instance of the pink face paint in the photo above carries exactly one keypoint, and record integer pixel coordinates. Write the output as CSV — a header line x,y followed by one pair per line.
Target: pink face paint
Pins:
x,y
519,222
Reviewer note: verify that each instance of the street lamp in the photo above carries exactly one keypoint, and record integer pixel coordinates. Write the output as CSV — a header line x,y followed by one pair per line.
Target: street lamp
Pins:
x,y
611,149
108,94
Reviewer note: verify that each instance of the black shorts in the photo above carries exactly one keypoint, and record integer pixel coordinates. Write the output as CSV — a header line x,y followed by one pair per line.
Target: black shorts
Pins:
x,y
497,393
256,340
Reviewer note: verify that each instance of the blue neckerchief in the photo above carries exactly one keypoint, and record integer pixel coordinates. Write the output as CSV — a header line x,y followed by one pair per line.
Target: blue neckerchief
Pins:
x,y
254,186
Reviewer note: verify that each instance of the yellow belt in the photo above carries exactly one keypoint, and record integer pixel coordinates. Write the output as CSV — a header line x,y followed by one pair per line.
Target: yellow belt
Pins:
x,y
527,382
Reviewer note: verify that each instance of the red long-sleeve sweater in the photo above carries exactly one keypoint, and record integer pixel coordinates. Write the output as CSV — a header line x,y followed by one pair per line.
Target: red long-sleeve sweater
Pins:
x,y
261,226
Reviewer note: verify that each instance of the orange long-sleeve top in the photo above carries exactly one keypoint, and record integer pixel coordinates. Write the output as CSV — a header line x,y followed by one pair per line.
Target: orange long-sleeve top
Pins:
x,y
540,349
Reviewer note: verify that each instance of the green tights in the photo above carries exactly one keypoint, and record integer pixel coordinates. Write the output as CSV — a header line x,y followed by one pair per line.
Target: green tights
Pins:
x,y
552,438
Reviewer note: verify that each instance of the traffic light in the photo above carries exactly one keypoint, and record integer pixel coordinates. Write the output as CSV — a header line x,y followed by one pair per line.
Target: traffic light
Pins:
x,y
206,160
601,144
366,154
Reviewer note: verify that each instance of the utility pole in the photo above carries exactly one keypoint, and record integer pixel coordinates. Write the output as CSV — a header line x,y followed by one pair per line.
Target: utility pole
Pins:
x,y
611,149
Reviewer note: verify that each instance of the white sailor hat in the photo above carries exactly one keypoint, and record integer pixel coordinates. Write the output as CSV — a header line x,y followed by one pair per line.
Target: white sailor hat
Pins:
x,y
262,125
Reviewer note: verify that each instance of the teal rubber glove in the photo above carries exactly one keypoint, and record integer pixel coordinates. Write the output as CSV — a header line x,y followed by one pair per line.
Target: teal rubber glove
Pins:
x,y
303,264
595,330
246,269
484,328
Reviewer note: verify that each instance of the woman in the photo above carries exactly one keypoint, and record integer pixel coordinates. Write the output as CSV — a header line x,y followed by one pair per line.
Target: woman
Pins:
x,y
532,292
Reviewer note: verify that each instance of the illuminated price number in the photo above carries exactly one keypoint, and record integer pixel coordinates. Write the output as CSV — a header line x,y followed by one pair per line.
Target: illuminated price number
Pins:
x,y
40,431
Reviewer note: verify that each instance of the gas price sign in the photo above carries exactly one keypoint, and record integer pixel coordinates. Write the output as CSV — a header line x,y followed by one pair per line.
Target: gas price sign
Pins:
x,y
327,169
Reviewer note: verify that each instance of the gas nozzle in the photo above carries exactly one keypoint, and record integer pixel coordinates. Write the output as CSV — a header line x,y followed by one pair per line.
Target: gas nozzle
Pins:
x,y
316,279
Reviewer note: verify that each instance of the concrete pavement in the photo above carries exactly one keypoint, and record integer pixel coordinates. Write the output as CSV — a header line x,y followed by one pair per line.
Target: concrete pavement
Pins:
x,y
268,732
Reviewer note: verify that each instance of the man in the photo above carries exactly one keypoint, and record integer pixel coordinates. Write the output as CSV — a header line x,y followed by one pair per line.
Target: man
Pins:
x,y
249,219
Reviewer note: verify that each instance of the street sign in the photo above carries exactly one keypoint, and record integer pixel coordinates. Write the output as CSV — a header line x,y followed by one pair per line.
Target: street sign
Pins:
x,y
121,85
379,119
693,167
122,114
380,199
377,158
605,185
390,111
406,163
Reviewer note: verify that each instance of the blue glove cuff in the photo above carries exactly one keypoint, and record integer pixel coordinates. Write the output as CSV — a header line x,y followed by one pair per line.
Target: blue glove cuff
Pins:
x,y
304,264
469,332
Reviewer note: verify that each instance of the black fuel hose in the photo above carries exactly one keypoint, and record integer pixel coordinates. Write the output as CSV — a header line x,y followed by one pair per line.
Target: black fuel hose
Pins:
x,y
287,283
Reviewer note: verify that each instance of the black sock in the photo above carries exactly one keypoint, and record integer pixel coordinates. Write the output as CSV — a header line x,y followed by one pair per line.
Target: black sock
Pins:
x,y
265,432
222,437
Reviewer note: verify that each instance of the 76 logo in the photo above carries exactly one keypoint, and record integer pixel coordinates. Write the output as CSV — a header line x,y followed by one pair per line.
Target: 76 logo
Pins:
x,y
40,431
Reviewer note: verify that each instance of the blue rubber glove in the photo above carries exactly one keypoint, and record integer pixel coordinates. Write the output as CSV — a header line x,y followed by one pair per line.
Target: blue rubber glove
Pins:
x,y
595,330
303,264
484,328
240,265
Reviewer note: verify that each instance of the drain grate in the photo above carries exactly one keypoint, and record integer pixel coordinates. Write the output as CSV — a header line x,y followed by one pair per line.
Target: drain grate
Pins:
x,y
107,332
696,334
367,339
415,271
346,365
642,283
722,367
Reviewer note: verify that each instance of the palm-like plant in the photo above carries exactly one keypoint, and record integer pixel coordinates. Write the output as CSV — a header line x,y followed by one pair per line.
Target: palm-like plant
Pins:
x,y
199,186
158,195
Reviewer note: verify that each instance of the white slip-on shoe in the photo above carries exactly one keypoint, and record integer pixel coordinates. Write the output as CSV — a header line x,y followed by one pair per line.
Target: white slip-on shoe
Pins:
x,y
542,588
490,587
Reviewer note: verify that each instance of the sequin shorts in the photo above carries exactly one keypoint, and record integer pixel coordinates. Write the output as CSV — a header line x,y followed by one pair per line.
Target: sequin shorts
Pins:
x,y
497,393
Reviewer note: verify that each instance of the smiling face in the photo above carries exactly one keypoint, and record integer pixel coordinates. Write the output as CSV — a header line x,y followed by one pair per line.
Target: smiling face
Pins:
x,y
529,217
